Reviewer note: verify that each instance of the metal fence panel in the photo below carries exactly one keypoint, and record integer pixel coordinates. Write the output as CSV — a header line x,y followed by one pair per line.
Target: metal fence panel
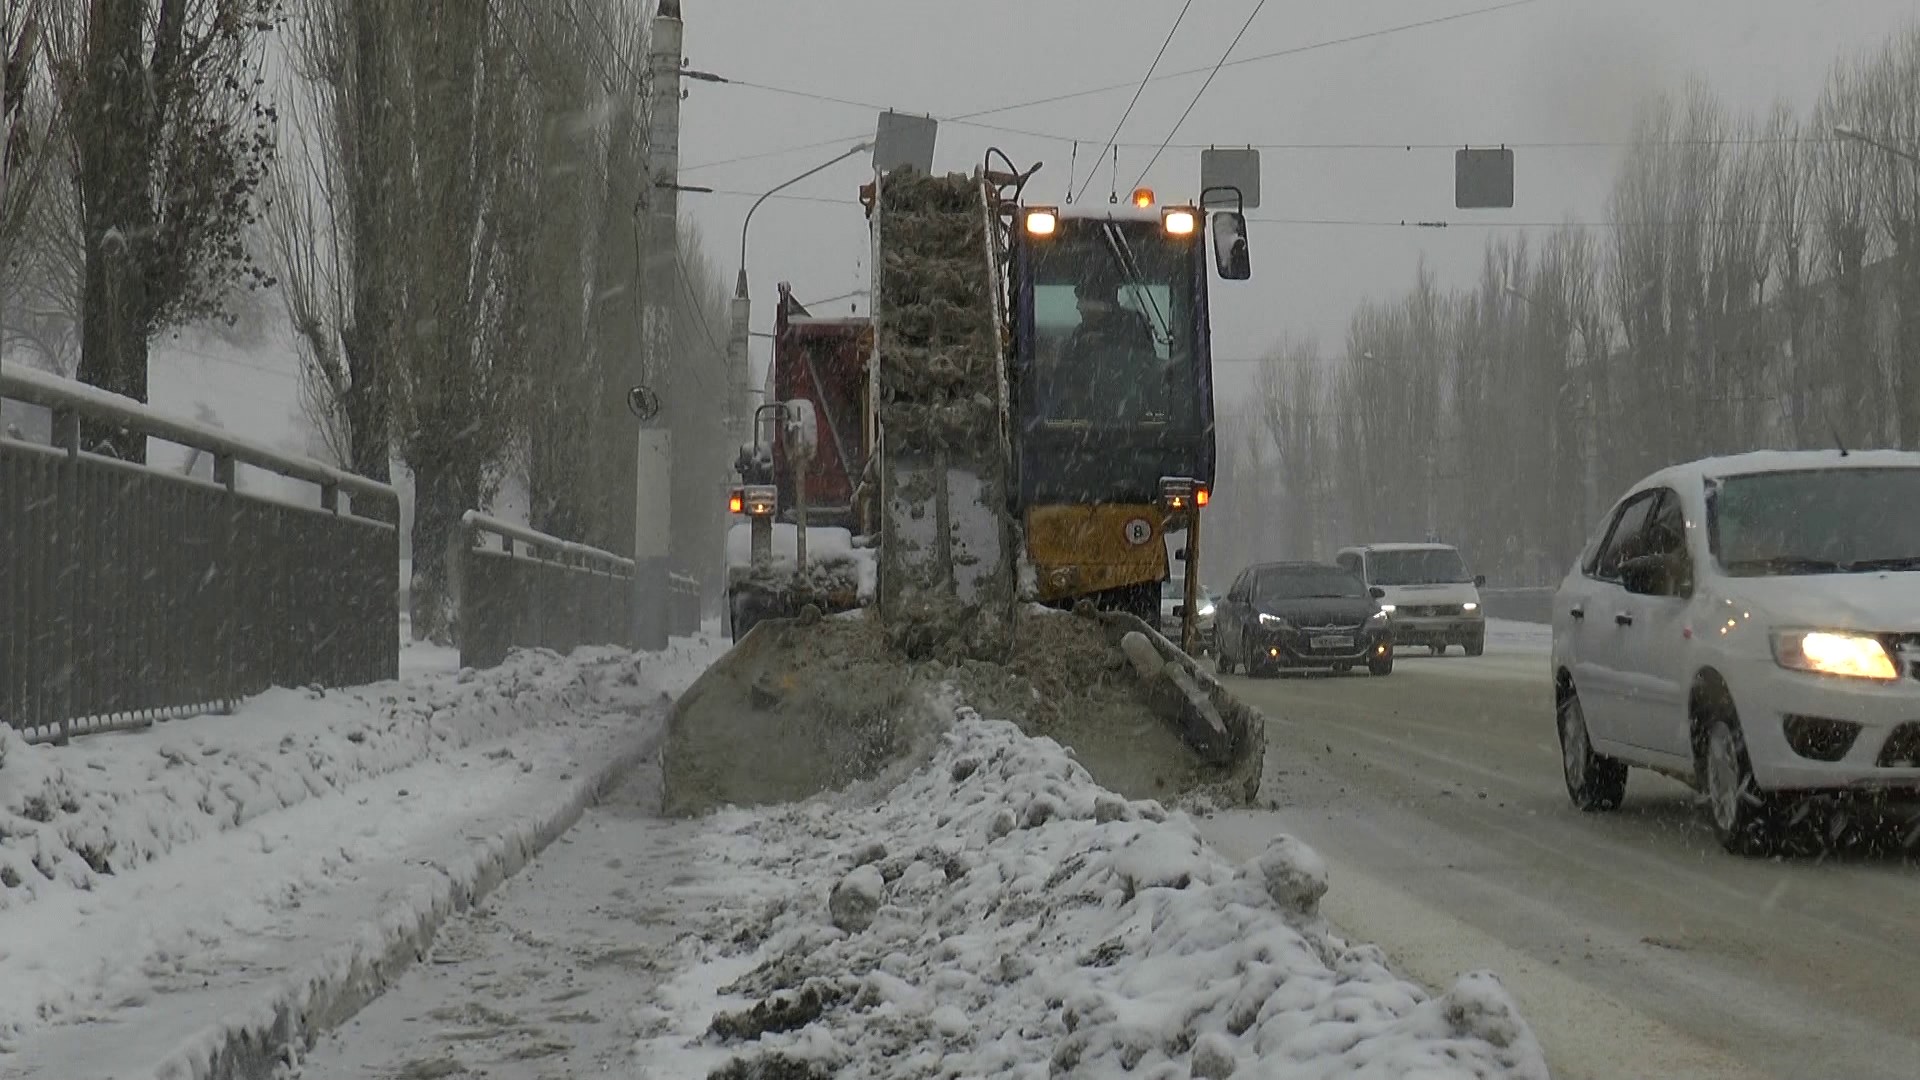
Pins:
x,y
521,588
131,594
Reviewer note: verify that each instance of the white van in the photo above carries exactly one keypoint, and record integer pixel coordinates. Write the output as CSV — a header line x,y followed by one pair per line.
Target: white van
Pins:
x,y
1426,590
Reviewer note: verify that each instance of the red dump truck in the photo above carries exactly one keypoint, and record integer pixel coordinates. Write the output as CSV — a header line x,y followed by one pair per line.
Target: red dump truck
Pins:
x,y
820,377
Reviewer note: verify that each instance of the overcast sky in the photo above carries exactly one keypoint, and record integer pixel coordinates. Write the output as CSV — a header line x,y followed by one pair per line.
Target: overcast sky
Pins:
x,y
1544,71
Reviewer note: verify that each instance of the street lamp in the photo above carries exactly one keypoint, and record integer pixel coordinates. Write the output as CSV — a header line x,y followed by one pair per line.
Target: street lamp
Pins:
x,y
740,311
1879,144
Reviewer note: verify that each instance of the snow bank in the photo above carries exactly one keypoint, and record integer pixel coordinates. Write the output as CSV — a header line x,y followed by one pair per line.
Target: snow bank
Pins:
x,y
234,949
71,815
827,549
999,914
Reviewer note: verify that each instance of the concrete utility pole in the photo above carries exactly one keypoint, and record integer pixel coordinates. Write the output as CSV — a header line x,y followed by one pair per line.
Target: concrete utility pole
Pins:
x,y
653,495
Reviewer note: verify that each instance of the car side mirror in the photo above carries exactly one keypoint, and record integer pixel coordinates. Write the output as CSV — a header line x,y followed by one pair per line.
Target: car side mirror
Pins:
x,y
1479,581
1377,593
1230,254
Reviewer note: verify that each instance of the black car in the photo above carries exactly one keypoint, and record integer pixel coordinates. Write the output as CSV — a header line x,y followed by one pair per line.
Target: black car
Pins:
x,y
1302,614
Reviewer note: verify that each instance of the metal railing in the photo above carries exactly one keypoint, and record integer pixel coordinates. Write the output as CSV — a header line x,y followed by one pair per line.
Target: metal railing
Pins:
x,y
521,588
683,604
129,594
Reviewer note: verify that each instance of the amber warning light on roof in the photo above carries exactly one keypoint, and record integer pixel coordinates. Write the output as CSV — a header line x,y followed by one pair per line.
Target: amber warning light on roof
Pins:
x,y
1143,197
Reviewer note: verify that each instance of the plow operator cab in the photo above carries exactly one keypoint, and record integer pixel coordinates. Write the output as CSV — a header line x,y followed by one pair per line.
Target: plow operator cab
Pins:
x,y
1111,388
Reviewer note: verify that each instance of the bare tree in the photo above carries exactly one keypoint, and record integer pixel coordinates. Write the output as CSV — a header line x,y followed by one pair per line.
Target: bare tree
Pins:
x,y
31,167
26,117
464,215
1787,176
331,222
171,142
1845,235
1888,104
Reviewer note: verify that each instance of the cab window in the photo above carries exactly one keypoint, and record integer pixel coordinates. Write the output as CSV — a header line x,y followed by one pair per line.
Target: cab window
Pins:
x,y
1628,524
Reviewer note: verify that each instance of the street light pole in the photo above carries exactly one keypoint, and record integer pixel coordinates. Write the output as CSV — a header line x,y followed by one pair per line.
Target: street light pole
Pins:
x,y
1879,144
740,310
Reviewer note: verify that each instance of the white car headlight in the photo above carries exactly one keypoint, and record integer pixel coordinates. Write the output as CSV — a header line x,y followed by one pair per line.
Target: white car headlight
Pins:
x,y
1469,606
1273,621
1379,616
1833,652
1206,610
1388,609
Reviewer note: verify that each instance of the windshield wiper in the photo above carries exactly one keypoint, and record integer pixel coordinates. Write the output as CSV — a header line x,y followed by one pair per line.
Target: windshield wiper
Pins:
x,y
1130,266
1904,562
1786,564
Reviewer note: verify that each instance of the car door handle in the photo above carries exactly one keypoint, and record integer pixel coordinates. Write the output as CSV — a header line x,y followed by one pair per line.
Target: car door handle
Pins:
x,y
1623,619
1577,611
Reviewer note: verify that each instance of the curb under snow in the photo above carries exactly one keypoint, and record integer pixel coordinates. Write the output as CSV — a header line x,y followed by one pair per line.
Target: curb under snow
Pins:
x,y
253,1043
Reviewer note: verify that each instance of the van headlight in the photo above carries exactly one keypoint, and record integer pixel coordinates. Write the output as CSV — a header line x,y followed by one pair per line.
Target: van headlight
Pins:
x,y
1380,616
1469,607
1834,652
1272,622
1206,610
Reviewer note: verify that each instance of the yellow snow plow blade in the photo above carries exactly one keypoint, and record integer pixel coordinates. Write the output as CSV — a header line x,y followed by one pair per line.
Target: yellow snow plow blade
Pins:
x,y
802,706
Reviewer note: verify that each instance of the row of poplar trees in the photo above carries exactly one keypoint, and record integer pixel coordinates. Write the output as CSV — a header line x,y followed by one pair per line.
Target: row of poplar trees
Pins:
x,y
1755,284
443,196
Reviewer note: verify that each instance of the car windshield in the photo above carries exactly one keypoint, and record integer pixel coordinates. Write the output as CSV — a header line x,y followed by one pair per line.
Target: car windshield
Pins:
x,y
1816,521
1328,583
1421,566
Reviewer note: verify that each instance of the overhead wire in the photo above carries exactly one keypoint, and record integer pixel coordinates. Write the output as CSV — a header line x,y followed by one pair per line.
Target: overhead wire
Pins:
x,y
1137,91
1198,94
1275,55
1092,91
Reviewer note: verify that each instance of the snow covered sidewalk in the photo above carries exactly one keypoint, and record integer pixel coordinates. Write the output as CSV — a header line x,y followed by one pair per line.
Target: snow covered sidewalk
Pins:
x,y
266,872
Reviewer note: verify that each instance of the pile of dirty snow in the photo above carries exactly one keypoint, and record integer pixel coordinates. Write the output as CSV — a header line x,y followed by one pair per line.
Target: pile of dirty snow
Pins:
x,y
833,563
105,803
999,914
825,703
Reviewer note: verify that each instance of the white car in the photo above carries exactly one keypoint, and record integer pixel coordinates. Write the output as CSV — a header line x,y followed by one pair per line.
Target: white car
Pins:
x,y
1751,626
1426,590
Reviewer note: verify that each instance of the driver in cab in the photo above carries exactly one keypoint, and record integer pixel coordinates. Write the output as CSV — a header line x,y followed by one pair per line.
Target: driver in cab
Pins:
x,y
1105,366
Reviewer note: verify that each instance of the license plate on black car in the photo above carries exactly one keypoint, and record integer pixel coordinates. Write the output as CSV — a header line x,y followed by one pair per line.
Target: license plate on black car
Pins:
x,y
1333,641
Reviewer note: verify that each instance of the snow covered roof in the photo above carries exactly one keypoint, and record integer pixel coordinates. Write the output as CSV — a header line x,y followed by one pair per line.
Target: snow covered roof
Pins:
x,y
1404,547
1766,461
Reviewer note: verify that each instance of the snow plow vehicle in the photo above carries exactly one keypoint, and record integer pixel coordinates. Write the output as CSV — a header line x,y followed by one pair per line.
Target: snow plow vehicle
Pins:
x,y
967,496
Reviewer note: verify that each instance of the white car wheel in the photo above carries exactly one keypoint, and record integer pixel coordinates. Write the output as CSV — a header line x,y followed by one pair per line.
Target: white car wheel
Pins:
x,y
1745,819
1594,782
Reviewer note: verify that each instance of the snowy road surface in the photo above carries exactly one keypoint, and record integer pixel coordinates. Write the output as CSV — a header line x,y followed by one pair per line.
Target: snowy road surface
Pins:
x,y
1634,944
